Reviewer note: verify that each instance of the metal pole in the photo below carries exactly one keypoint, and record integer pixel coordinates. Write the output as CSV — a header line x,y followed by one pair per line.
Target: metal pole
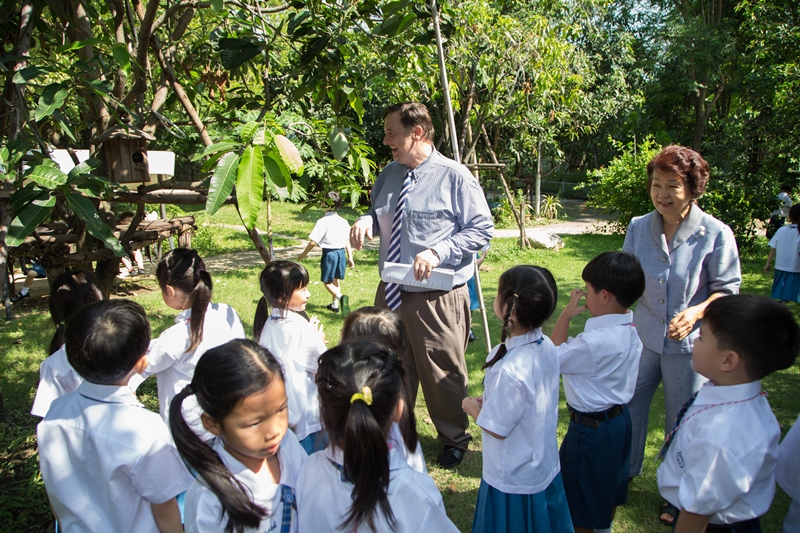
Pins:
x,y
451,121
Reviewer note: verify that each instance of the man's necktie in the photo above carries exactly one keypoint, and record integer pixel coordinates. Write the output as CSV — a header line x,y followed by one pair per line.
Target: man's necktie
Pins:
x,y
392,289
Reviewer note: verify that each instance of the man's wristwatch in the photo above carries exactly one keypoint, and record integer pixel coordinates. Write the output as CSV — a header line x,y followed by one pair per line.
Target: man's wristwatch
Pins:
x,y
437,255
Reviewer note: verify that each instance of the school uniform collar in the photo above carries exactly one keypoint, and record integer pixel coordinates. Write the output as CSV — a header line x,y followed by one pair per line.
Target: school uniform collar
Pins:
x,y
108,393
286,314
396,460
183,316
261,486
526,338
330,213
711,394
686,229
604,321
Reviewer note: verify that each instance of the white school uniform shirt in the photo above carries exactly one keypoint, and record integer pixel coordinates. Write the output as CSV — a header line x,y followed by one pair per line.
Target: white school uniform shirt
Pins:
x,y
787,474
203,511
721,462
599,367
331,231
520,402
324,498
105,458
174,367
297,345
56,378
786,242
415,459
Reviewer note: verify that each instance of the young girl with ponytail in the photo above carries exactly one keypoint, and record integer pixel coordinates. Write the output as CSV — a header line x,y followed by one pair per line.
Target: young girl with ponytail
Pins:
x,y
200,325
360,483
68,293
246,475
521,487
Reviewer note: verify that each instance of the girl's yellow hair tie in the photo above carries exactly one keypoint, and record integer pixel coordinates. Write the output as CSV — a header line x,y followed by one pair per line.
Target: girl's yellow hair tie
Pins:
x,y
365,395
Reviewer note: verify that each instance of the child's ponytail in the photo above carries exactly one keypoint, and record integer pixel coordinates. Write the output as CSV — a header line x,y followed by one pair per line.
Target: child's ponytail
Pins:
x,y
360,384
184,270
529,295
278,282
68,293
224,376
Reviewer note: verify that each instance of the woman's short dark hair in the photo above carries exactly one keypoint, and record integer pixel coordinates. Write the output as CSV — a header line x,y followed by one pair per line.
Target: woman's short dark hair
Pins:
x,y
684,162
413,114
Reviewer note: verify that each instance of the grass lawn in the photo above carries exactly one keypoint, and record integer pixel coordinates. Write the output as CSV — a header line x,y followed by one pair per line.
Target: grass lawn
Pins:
x,y
23,505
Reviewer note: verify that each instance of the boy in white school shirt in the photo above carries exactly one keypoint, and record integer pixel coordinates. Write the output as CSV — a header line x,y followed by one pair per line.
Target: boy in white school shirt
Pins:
x,y
719,459
599,369
108,464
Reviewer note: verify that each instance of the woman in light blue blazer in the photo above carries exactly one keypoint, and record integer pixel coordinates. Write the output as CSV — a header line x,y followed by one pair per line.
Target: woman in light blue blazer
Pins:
x,y
690,259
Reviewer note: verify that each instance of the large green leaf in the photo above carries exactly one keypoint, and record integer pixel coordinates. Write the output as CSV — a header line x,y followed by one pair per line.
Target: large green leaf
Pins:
x,y
222,182
52,98
47,176
250,185
77,45
277,171
394,25
122,57
28,73
223,146
290,154
247,131
28,220
22,197
216,6
339,144
313,48
85,209
85,167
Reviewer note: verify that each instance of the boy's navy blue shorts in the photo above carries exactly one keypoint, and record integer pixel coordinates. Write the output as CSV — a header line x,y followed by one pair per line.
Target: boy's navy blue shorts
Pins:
x,y
333,264
595,464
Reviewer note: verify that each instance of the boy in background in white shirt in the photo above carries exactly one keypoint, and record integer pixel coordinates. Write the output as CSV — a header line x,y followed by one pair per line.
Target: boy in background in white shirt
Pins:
x,y
599,369
108,464
719,459
332,233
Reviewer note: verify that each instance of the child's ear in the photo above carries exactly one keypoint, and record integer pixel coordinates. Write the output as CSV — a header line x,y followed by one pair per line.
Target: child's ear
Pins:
x,y
731,361
398,411
605,296
141,364
211,425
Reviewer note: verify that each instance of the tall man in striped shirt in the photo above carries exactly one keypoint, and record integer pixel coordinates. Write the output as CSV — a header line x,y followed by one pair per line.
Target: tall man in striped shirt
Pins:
x,y
442,221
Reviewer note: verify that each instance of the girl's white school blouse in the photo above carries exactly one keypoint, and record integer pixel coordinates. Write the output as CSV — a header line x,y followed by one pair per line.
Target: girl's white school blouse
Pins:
x,y
324,497
520,402
786,242
297,345
174,366
56,378
203,510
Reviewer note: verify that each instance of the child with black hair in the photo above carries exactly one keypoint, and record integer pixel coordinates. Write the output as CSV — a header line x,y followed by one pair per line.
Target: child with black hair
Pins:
x,y
784,248
599,370
332,233
521,488
386,327
720,456
201,325
68,293
359,483
295,342
108,464
246,475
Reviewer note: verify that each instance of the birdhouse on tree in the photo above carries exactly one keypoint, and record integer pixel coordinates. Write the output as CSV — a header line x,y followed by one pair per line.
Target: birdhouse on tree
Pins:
x,y
126,153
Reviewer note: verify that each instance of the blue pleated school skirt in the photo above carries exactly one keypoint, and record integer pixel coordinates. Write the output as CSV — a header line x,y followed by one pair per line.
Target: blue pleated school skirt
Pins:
x,y
543,512
786,286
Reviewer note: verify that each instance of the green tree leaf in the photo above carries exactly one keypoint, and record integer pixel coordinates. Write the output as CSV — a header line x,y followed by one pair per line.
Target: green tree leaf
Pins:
x,y
28,220
222,182
250,185
85,167
339,144
277,171
247,132
77,45
289,154
22,197
52,98
28,73
86,210
224,146
122,57
47,176
216,5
